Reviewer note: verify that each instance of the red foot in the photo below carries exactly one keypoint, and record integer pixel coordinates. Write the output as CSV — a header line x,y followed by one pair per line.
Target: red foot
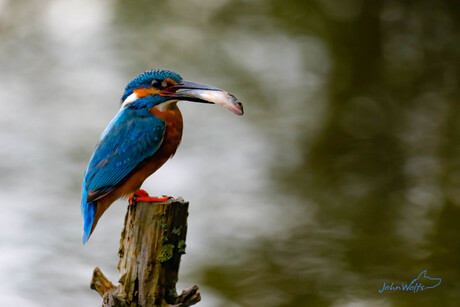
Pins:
x,y
142,195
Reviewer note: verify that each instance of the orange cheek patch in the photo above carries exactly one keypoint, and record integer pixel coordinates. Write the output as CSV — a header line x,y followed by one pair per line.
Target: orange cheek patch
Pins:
x,y
168,82
144,92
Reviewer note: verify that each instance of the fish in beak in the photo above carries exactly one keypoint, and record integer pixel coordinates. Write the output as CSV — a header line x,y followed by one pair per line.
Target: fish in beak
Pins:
x,y
191,91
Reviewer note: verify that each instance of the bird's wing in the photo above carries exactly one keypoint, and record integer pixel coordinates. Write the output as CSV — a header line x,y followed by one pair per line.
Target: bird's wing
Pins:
x,y
128,140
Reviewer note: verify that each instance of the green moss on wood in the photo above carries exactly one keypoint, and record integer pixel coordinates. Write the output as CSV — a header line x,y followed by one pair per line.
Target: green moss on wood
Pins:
x,y
181,246
166,253
176,231
172,292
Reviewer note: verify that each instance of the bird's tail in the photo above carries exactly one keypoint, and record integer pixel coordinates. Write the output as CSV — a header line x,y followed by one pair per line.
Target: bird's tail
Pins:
x,y
88,211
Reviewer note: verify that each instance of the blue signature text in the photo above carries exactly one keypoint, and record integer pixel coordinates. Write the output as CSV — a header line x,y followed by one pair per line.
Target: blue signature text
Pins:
x,y
421,283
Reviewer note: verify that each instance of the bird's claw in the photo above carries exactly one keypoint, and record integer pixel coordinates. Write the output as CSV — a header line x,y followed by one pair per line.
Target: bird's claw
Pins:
x,y
142,195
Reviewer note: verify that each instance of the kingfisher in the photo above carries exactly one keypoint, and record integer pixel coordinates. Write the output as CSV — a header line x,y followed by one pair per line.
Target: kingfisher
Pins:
x,y
141,137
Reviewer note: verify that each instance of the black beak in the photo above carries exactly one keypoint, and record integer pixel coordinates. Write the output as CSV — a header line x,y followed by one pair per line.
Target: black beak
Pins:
x,y
191,91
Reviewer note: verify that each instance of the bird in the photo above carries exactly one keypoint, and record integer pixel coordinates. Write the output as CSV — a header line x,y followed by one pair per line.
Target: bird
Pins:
x,y
141,137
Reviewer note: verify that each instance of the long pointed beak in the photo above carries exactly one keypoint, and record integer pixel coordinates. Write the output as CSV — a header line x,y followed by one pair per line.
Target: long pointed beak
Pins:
x,y
191,91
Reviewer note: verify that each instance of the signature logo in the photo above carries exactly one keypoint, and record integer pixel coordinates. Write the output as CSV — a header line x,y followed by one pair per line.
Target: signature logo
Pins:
x,y
421,283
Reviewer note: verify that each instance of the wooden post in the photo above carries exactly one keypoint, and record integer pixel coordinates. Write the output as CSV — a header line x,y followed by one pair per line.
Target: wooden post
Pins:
x,y
151,245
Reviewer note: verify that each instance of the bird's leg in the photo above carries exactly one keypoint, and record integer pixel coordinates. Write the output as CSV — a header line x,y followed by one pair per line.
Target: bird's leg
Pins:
x,y
142,195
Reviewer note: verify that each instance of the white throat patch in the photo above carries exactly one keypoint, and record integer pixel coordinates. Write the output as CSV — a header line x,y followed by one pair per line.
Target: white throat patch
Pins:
x,y
164,105
130,99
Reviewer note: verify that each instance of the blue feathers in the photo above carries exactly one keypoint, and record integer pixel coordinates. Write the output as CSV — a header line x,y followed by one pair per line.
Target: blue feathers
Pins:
x,y
89,211
128,140
131,137
144,80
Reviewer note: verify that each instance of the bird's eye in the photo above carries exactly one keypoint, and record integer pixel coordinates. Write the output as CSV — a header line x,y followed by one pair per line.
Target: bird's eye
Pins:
x,y
155,83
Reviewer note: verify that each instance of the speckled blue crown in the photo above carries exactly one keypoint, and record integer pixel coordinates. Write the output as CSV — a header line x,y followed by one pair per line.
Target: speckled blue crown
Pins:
x,y
144,79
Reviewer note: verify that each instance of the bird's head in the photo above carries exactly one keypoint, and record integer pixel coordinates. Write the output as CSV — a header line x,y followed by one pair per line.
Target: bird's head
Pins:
x,y
160,86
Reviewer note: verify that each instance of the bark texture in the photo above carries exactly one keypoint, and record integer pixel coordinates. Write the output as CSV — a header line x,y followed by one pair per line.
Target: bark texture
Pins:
x,y
151,245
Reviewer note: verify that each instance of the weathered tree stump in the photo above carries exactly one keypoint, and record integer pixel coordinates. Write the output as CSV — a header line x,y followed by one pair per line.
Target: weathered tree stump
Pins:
x,y
151,245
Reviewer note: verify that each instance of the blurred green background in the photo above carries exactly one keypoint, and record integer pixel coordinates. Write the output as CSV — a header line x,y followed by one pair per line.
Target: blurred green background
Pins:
x,y
343,174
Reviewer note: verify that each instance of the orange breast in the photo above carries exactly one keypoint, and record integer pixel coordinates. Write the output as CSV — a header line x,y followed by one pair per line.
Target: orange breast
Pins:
x,y
171,140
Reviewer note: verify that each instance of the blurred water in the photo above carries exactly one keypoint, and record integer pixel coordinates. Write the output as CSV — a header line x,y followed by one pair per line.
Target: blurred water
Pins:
x,y
343,173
